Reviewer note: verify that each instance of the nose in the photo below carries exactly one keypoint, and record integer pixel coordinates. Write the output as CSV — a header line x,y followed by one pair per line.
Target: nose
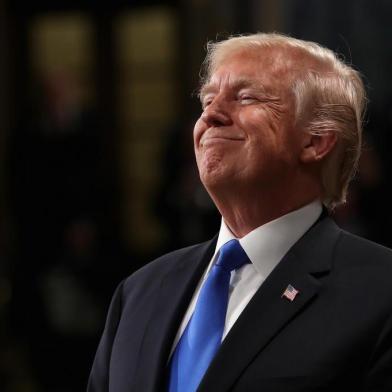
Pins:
x,y
214,115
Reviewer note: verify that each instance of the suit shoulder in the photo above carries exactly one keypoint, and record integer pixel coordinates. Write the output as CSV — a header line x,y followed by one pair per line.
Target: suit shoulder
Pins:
x,y
164,263
360,257
362,247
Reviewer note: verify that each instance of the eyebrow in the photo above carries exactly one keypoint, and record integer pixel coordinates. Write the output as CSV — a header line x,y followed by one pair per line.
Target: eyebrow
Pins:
x,y
237,84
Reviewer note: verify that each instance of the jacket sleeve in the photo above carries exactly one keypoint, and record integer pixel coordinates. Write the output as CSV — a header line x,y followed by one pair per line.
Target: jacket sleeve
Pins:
x,y
379,374
99,375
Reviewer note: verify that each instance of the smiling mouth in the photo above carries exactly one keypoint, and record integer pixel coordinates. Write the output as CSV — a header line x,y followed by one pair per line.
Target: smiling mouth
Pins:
x,y
219,139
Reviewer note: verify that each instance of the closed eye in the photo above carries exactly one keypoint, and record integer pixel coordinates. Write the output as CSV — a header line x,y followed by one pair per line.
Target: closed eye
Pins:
x,y
204,104
247,99
207,100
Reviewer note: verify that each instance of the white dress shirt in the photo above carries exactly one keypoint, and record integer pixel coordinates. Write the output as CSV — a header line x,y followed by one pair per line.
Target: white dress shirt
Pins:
x,y
265,247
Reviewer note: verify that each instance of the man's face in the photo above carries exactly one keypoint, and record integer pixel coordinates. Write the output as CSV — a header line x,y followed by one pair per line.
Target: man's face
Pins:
x,y
245,135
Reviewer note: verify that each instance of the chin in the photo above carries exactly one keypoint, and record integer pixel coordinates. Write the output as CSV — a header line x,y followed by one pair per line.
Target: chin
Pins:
x,y
215,178
213,171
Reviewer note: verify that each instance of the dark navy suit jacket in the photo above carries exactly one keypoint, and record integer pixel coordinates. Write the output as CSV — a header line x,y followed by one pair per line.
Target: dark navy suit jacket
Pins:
x,y
336,334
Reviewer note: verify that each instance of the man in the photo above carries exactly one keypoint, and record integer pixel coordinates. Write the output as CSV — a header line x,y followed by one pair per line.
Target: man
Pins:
x,y
309,306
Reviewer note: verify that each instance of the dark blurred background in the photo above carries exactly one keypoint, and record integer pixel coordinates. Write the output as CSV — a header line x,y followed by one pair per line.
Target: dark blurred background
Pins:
x,y
97,174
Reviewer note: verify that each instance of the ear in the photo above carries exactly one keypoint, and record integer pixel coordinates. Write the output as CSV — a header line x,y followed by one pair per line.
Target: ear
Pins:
x,y
316,147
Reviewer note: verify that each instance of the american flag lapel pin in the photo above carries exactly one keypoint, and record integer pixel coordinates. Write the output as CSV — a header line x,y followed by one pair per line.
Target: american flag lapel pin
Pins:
x,y
290,293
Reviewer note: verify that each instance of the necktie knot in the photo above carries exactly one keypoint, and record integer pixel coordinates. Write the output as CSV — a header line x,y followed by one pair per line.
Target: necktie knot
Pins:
x,y
232,256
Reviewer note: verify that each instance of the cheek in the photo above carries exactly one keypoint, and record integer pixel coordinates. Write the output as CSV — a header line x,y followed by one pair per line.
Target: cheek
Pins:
x,y
270,136
198,131
260,126
250,115
261,117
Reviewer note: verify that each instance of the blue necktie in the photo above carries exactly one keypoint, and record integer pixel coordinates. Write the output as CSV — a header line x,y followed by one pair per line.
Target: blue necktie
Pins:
x,y
203,334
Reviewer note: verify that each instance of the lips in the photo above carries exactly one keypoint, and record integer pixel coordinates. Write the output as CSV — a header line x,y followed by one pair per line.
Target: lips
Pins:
x,y
211,138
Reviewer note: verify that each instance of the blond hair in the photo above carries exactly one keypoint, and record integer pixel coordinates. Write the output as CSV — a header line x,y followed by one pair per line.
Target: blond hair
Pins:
x,y
329,97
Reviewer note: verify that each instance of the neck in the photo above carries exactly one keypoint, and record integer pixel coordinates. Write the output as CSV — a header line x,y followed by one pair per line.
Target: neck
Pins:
x,y
244,212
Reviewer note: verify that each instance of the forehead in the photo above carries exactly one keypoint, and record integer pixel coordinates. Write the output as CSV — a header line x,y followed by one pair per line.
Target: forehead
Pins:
x,y
250,67
275,66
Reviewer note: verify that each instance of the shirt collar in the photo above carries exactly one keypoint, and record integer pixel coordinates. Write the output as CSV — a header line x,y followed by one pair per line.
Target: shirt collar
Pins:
x,y
267,244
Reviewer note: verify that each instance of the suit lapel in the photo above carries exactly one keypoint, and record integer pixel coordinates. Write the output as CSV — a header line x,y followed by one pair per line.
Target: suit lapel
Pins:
x,y
268,312
172,300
